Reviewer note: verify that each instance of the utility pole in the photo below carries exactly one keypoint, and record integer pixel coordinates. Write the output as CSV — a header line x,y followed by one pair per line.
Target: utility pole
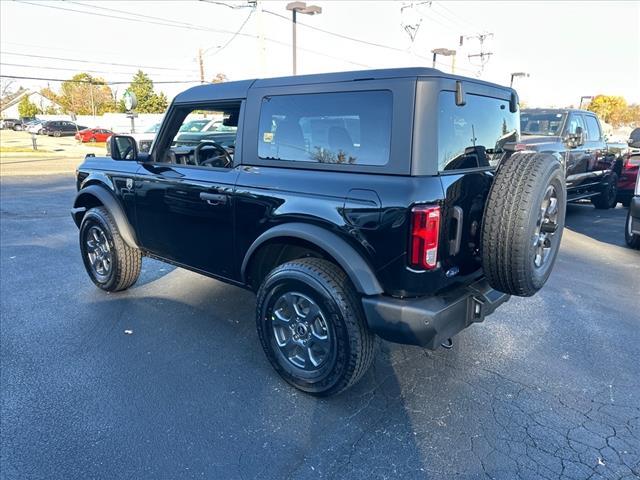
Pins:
x,y
93,105
201,62
484,56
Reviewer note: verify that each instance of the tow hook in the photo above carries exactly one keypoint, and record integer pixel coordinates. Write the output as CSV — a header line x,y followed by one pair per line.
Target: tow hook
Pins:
x,y
448,344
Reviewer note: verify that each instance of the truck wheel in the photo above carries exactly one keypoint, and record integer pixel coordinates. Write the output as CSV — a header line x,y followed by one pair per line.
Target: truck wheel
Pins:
x,y
111,264
607,198
632,239
312,328
523,223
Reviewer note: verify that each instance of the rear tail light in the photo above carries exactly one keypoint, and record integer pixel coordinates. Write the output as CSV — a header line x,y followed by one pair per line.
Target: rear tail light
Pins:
x,y
425,230
632,161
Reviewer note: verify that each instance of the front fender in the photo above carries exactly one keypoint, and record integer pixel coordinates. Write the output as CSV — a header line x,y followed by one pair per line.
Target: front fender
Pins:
x,y
95,194
358,270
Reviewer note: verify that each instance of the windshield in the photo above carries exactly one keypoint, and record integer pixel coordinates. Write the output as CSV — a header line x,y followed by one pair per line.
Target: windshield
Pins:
x,y
546,123
153,128
194,125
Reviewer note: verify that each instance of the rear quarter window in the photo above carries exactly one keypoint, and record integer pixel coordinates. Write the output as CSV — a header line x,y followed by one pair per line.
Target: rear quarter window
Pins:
x,y
347,128
593,129
473,135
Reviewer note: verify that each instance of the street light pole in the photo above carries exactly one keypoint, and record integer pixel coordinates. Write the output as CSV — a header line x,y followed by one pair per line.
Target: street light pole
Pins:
x,y
517,74
294,42
447,53
299,7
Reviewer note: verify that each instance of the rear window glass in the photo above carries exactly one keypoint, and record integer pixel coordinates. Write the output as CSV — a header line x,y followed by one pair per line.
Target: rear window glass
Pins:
x,y
473,135
349,128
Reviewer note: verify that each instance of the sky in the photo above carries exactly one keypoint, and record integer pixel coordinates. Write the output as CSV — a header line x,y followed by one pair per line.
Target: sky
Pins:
x,y
569,49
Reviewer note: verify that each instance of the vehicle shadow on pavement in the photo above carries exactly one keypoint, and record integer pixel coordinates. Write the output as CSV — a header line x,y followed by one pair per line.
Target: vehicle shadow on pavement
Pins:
x,y
601,225
197,364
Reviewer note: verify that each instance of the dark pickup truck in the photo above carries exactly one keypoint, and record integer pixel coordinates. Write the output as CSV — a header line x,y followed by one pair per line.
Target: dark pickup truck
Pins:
x,y
575,137
386,203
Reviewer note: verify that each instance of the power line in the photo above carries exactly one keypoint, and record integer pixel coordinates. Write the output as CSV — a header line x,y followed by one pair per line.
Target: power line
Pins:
x,y
186,26
339,35
47,67
237,32
250,4
458,18
79,60
20,77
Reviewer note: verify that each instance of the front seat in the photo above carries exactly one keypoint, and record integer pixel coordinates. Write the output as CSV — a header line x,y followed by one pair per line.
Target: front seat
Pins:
x,y
340,140
289,141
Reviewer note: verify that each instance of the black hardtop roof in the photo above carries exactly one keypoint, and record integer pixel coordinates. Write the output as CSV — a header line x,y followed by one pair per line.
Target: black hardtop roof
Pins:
x,y
555,110
239,89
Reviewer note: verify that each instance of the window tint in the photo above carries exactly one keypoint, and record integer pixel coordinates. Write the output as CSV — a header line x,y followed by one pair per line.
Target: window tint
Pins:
x,y
593,129
473,135
575,121
352,128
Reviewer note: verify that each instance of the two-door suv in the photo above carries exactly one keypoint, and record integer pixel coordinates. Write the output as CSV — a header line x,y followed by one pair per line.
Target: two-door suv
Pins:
x,y
386,203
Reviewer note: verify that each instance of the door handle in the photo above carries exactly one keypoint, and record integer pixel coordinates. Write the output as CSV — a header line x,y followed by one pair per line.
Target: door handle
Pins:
x,y
588,151
213,198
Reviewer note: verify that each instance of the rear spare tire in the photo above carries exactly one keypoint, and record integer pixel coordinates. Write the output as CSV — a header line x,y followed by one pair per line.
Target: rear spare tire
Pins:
x,y
523,222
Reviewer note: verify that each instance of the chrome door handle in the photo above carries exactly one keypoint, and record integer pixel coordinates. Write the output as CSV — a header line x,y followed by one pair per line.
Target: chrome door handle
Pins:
x,y
213,198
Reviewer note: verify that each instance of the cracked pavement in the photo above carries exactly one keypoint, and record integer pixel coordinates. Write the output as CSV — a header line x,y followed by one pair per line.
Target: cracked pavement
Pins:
x,y
546,388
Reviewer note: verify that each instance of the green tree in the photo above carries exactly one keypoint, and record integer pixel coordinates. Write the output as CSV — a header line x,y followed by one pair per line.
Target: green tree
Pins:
x,y
85,95
26,108
612,109
148,100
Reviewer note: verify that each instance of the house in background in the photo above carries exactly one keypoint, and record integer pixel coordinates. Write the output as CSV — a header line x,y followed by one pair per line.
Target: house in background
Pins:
x,y
10,108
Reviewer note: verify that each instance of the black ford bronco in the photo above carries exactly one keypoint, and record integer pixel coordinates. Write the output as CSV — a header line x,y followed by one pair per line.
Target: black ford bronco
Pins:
x,y
386,203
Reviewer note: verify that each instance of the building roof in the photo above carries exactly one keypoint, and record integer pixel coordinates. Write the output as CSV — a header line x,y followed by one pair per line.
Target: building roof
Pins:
x,y
239,89
25,93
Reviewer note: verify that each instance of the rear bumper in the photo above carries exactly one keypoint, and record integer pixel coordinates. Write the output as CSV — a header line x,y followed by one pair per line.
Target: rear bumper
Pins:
x,y
428,322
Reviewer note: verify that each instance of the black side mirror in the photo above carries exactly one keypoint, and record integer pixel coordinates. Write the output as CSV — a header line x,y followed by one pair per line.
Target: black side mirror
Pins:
x,y
122,147
634,138
574,140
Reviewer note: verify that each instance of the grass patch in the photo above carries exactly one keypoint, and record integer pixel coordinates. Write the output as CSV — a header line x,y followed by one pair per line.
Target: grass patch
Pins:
x,y
4,149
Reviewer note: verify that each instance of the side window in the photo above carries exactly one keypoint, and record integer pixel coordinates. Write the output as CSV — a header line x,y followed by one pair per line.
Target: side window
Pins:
x,y
349,128
473,135
196,144
575,121
593,129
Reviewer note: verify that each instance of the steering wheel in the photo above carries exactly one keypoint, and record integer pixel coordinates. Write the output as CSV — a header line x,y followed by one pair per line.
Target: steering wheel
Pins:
x,y
222,153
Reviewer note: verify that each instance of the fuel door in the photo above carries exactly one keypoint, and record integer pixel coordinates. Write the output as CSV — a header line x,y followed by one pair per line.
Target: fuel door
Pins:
x,y
362,208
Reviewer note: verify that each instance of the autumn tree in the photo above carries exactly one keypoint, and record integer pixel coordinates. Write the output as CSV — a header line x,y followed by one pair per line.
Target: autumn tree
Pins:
x,y
612,109
148,100
85,95
220,78
26,108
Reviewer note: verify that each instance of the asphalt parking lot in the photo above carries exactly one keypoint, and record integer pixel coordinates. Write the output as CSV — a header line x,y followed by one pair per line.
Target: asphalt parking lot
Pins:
x,y
547,387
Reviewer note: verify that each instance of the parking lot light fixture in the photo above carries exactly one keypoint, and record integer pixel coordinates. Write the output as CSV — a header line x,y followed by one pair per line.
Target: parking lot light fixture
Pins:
x,y
300,7
517,74
446,52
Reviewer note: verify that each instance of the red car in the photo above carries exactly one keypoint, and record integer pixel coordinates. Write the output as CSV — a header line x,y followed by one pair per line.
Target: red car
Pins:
x,y
93,135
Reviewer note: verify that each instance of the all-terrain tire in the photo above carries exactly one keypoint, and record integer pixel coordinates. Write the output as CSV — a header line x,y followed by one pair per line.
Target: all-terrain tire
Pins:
x,y
125,261
608,197
632,239
352,343
514,217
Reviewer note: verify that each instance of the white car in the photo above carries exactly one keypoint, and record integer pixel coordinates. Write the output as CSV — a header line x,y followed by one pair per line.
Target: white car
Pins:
x,y
145,139
35,128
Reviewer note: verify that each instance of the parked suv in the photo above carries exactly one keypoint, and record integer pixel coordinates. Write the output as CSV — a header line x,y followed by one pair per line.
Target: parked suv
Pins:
x,y
575,136
60,128
384,202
